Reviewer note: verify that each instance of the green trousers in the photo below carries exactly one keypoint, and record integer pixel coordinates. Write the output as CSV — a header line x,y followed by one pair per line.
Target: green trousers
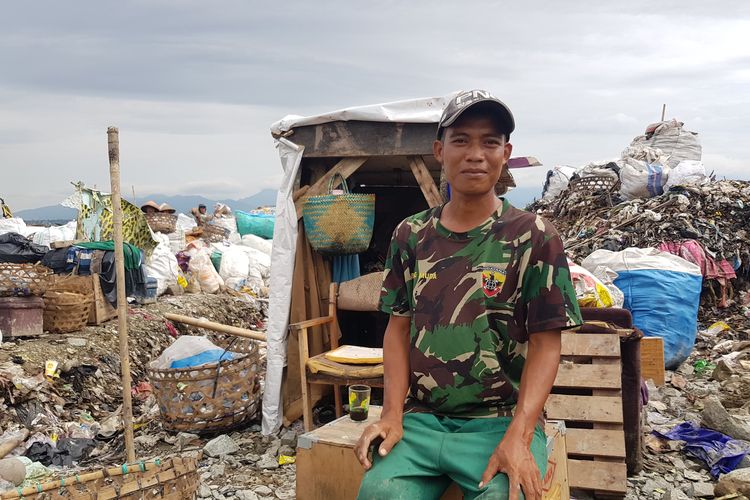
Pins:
x,y
436,451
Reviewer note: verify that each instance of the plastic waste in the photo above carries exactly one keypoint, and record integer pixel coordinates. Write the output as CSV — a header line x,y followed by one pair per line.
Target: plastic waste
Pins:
x,y
259,224
662,291
718,451
189,351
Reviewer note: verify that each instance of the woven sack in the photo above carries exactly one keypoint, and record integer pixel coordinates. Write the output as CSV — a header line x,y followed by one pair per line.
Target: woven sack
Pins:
x,y
339,224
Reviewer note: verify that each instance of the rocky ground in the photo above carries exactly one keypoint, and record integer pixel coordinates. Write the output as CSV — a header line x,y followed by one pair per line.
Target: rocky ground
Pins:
x,y
712,388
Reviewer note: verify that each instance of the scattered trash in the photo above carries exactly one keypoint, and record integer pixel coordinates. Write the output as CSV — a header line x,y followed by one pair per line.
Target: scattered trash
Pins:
x,y
719,452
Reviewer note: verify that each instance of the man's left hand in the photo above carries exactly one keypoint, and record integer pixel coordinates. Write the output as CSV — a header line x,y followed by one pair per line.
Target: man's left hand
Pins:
x,y
513,458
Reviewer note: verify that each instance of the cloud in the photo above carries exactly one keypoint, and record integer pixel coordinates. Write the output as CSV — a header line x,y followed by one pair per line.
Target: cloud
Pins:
x,y
194,86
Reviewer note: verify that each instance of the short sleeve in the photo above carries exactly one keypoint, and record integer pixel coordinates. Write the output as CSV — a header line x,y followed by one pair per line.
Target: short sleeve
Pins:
x,y
547,290
395,295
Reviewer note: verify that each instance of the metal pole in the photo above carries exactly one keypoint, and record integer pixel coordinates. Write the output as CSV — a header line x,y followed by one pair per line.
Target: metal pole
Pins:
x,y
113,141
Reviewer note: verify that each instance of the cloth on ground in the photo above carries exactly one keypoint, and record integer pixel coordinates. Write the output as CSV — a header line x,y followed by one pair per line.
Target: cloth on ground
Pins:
x,y
345,268
135,280
133,256
720,452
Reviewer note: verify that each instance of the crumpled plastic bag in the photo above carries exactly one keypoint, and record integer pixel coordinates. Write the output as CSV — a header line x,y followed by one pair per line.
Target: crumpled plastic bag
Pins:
x,y
590,291
719,452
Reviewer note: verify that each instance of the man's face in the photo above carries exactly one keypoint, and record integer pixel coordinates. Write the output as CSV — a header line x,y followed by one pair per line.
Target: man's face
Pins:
x,y
473,153
202,210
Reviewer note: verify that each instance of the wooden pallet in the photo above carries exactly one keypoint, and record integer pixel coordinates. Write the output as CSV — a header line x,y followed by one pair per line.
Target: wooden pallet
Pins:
x,y
587,396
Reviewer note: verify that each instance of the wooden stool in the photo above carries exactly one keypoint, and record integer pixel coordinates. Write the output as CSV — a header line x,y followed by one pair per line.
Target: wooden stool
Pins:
x,y
328,470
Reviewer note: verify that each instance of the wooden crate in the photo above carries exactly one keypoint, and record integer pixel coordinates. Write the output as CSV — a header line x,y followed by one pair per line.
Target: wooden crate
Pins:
x,y
652,359
326,465
587,396
327,468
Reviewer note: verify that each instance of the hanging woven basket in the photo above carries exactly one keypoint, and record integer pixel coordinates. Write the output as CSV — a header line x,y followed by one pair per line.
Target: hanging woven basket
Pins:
x,y
339,224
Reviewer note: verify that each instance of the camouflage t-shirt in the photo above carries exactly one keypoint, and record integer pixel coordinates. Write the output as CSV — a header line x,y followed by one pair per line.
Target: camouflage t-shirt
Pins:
x,y
474,298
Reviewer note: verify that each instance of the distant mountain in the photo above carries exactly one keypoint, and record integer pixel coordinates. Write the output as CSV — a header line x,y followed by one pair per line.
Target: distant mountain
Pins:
x,y
52,212
181,203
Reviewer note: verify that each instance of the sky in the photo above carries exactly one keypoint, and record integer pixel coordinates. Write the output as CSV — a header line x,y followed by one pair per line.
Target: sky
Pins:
x,y
194,86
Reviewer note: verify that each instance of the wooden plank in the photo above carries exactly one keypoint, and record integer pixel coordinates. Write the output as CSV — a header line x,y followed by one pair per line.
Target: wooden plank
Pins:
x,y
588,376
341,432
609,477
590,344
595,443
584,408
425,181
345,167
652,359
361,138
555,481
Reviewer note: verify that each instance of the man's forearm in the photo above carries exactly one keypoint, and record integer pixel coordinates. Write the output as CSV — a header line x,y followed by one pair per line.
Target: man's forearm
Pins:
x,y
539,372
395,366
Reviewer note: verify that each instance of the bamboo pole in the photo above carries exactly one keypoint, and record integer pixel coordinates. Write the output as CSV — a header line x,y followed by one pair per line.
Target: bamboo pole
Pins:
x,y
113,141
79,479
217,327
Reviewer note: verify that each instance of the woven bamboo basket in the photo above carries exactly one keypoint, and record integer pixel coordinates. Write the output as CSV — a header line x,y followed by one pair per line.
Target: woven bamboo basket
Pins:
x,y
66,311
213,233
161,222
209,398
23,280
171,479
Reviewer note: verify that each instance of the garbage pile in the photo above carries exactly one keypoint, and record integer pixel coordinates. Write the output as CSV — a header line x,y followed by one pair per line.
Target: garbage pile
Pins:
x,y
62,394
714,214
656,195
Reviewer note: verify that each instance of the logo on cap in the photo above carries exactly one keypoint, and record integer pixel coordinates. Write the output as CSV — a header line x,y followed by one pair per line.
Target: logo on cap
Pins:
x,y
465,98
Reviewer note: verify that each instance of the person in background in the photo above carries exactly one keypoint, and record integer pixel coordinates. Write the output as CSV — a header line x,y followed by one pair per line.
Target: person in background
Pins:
x,y
201,217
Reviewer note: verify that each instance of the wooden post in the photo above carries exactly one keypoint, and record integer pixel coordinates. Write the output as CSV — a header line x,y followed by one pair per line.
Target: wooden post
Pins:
x,y
113,141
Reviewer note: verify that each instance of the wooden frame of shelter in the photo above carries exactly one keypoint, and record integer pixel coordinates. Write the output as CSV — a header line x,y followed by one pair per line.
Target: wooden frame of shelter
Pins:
x,y
389,155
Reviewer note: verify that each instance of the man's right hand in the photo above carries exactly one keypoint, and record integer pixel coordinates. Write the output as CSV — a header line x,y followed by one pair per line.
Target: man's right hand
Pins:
x,y
390,430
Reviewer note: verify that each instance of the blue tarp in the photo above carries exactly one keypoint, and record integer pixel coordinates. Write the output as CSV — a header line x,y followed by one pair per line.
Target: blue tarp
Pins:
x,y
664,304
719,452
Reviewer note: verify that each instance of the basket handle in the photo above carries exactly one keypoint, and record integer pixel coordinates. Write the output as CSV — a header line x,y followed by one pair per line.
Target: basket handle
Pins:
x,y
333,182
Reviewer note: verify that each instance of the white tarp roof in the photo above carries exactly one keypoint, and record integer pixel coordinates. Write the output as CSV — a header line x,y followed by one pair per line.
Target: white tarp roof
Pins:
x,y
424,110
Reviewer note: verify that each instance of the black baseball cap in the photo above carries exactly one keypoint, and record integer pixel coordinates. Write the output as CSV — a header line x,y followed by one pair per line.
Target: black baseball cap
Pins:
x,y
466,99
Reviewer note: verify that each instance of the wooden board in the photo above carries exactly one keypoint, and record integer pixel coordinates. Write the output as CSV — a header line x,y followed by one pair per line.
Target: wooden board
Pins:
x,y
555,481
588,376
361,138
595,443
608,477
102,310
425,181
588,344
584,408
652,359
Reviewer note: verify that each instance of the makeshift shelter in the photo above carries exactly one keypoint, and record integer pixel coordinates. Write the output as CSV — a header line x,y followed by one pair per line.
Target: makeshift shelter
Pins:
x,y
384,149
